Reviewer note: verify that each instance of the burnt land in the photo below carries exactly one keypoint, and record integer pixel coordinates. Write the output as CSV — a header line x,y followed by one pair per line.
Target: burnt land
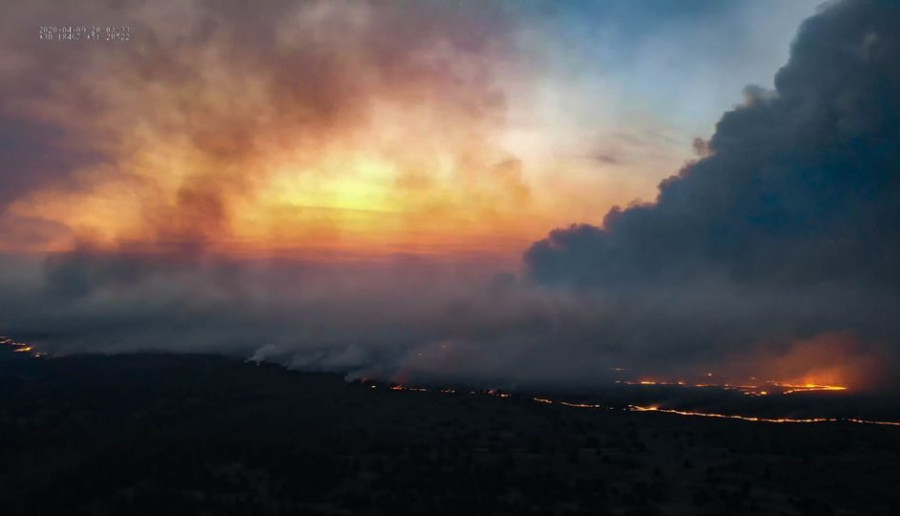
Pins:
x,y
194,434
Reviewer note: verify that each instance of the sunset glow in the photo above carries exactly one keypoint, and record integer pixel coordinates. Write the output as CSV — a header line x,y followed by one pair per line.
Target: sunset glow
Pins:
x,y
498,193
405,257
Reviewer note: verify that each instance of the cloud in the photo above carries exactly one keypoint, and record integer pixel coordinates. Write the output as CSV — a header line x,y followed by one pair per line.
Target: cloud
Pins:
x,y
33,155
800,186
779,240
218,123
796,207
308,314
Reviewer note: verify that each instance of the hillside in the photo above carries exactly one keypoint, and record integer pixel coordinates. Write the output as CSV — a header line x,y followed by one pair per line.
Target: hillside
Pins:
x,y
196,434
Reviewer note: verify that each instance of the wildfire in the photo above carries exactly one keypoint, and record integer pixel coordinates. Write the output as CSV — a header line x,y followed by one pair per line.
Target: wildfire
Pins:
x,y
808,387
405,388
637,408
20,347
499,393
757,389
689,413
756,419
763,389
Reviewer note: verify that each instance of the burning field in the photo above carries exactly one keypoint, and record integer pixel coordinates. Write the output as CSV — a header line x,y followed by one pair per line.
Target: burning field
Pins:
x,y
177,433
444,257
769,401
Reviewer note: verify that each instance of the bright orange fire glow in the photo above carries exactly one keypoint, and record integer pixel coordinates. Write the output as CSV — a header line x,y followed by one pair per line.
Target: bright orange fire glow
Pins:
x,y
20,347
759,389
828,362
755,419
655,408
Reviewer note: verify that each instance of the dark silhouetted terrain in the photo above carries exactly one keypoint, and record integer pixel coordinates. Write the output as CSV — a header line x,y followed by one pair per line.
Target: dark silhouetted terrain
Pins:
x,y
193,434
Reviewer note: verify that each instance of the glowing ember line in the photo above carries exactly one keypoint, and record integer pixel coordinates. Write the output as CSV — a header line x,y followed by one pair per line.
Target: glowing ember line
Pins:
x,y
809,387
20,347
755,419
872,422
584,405
651,408
765,389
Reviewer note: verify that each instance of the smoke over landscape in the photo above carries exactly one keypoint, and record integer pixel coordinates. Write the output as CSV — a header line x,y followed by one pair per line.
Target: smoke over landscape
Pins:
x,y
388,257
354,187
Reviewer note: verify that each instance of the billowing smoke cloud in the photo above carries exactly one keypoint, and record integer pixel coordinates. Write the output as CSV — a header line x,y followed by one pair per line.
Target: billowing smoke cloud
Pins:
x,y
776,247
161,173
789,227
366,317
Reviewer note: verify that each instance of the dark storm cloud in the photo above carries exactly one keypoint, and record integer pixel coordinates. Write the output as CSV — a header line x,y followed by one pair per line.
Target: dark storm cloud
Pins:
x,y
796,206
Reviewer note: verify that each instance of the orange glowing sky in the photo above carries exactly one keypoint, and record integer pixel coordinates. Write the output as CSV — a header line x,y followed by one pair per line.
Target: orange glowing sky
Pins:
x,y
457,162
333,128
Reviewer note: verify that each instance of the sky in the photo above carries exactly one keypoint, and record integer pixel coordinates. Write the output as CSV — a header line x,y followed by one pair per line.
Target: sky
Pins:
x,y
362,129
510,192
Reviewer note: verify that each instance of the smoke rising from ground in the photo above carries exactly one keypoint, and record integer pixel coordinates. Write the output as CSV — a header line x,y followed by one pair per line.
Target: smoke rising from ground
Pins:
x,y
776,248
788,228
